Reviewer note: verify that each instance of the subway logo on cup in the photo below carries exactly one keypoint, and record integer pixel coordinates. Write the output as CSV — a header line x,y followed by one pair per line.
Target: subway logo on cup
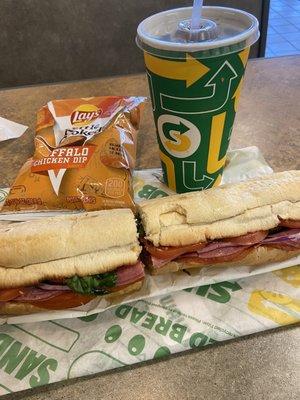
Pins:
x,y
84,114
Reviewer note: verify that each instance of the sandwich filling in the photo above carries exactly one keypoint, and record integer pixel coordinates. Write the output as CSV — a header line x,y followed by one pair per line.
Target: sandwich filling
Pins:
x,y
285,237
76,290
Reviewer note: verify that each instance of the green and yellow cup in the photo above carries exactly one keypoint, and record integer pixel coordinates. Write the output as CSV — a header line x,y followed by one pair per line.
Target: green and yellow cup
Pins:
x,y
195,80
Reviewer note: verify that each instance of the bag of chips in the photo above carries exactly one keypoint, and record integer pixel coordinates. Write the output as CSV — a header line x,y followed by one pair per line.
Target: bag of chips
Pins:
x,y
85,150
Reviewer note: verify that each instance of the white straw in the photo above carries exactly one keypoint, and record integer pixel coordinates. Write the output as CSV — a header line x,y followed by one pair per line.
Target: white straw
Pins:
x,y
196,14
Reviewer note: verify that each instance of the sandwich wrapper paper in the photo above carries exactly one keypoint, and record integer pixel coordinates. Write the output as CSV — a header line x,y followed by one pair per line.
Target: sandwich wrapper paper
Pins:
x,y
172,313
33,354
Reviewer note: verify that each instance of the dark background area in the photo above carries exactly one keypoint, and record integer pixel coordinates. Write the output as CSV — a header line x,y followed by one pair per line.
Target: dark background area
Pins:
x,y
61,40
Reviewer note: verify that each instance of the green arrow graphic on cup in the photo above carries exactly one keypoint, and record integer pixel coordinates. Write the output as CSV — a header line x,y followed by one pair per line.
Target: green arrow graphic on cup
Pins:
x,y
215,94
194,89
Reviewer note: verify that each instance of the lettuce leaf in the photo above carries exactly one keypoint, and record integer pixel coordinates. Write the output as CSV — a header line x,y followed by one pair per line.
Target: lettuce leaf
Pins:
x,y
93,284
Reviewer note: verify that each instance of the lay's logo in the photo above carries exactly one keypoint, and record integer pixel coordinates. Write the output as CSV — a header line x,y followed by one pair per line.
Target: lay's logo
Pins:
x,y
85,114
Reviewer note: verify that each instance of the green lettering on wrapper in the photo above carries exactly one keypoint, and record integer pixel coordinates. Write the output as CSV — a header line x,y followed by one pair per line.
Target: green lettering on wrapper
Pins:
x,y
218,292
177,332
5,342
123,311
137,315
13,357
44,376
222,295
30,363
149,320
24,361
163,326
202,290
160,325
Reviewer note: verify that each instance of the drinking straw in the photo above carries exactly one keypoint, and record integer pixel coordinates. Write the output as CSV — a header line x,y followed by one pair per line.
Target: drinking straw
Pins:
x,y
196,14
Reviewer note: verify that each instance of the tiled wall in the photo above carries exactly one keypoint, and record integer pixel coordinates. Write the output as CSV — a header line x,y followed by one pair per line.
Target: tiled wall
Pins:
x,y
283,36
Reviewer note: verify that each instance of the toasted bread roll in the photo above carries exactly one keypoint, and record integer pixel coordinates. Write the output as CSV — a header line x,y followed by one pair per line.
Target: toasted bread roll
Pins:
x,y
226,211
86,264
43,240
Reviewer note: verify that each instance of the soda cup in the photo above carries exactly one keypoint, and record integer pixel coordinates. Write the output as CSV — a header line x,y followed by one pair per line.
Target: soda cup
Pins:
x,y
195,80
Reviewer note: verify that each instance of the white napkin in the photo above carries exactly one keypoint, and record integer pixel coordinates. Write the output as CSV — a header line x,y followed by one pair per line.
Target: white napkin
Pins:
x,y
10,129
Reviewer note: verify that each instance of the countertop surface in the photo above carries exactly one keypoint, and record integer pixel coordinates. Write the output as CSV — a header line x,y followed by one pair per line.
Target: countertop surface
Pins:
x,y
262,366
268,114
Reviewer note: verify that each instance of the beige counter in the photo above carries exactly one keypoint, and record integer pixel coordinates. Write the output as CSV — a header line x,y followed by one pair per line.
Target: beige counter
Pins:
x,y
263,366
268,114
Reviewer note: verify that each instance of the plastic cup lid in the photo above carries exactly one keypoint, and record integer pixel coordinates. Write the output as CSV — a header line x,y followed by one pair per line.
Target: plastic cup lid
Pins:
x,y
163,31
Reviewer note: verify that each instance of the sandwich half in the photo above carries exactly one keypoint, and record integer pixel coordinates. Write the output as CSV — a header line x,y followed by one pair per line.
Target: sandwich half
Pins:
x,y
66,261
249,223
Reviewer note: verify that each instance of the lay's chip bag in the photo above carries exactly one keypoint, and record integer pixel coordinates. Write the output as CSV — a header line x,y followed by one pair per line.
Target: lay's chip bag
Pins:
x,y
85,150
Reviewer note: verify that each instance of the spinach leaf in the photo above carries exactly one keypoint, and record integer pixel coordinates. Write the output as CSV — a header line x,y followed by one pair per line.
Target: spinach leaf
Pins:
x,y
93,284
